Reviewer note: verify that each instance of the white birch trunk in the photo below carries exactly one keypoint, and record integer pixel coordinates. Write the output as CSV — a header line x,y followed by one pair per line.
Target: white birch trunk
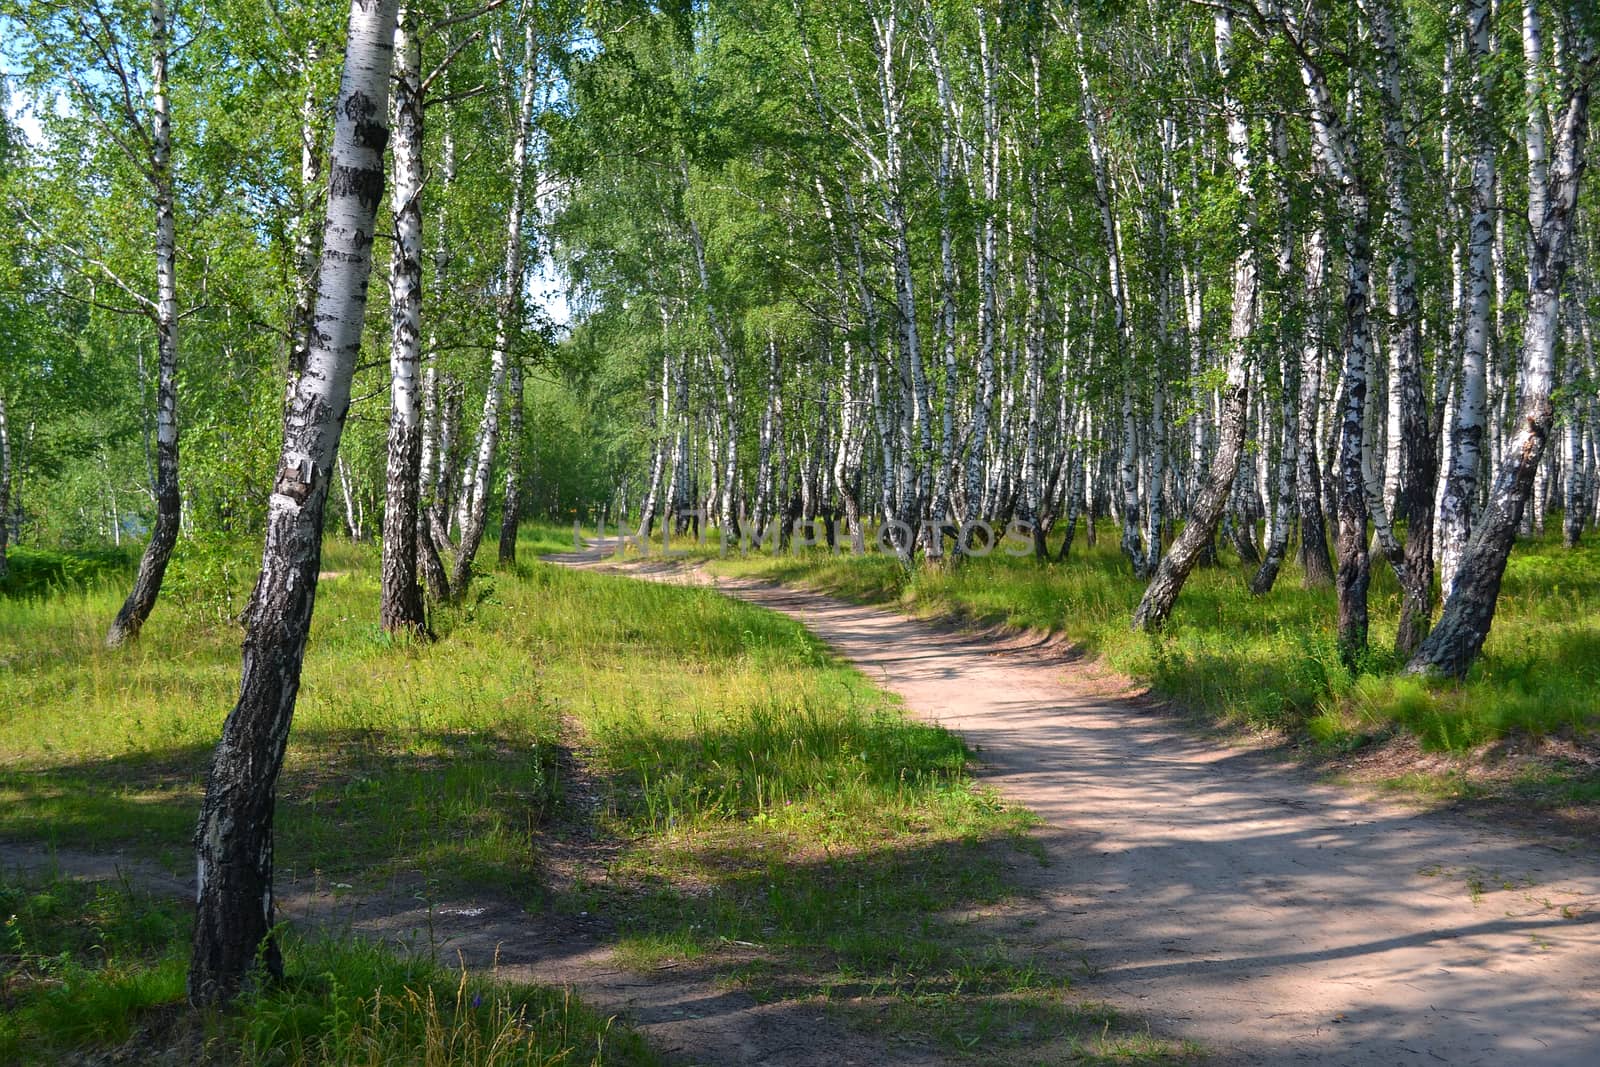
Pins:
x,y
1552,203
475,485
1460,499
988,243
1128,464
511,495
141,598
306,223
1155,607
5,486
233,842
1411,449
915,430
400,601
1337,153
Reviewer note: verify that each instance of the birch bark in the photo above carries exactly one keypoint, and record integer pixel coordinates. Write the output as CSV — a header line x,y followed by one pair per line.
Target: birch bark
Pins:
x,y
1128,465
511,496
1554,182
1155,607
1408,486
233,841
141,598
988,242
400,601
475,485
1460,498
5,485
1336,153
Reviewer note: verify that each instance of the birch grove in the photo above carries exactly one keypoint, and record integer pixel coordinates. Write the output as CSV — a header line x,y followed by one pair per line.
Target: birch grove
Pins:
x,y
896,269
1302,293
967,188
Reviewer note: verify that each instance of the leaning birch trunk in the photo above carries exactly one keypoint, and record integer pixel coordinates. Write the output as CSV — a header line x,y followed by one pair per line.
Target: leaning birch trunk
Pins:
x,y
164,535
511,499
1552,208
233,842
1162,593
400,599
508,322
1466,455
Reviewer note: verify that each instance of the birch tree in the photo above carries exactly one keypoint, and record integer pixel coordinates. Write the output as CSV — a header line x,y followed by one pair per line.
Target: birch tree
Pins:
x,y
1555,175
5,485
235,907
1162,593
90,55
475,483
400,606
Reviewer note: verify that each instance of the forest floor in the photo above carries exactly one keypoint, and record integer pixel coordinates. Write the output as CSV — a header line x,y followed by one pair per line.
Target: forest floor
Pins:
x,y
1227,896
735,847
599,819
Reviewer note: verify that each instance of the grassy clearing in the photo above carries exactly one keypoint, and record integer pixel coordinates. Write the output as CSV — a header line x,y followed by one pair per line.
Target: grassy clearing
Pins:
x,y
1271,663
773,816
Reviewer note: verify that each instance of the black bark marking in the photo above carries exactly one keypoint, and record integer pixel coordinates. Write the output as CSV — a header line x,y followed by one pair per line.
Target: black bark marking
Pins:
x,y
363,183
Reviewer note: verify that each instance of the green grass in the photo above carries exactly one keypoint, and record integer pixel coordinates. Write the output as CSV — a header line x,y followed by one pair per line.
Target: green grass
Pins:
x,y
752,803
1271,663
38,573
101,965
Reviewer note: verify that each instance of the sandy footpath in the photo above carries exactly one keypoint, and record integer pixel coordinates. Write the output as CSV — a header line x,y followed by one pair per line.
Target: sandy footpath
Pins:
x,y
1228,898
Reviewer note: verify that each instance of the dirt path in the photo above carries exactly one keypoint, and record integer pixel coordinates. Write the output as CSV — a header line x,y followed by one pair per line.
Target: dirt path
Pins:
x,y
1233,900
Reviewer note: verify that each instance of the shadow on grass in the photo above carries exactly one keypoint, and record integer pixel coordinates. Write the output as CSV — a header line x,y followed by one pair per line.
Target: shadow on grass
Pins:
x,y
99,968
808,863
459,808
